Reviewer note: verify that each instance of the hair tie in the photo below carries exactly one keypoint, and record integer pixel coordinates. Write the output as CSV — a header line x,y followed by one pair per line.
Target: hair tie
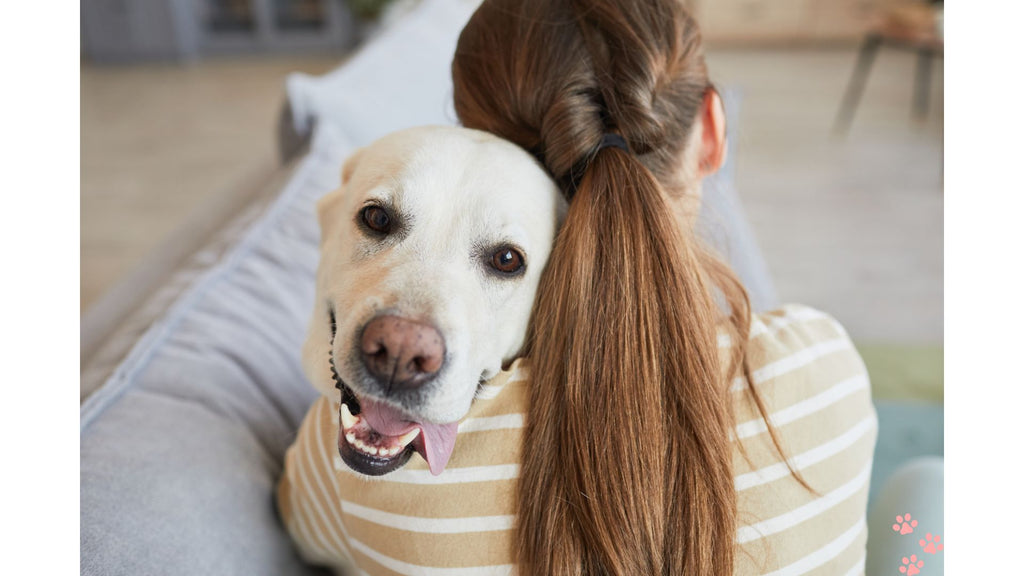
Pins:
x,y
572,178
611,140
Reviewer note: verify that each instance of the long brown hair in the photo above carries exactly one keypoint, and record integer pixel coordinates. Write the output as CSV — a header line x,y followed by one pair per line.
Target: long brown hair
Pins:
x,y
627,460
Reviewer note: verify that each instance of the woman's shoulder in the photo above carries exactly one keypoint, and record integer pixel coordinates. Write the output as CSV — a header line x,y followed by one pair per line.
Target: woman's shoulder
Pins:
x,y
801,360
797,334
815,391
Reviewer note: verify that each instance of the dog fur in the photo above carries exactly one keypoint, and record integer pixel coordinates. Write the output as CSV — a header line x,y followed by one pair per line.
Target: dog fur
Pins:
x,y
456,195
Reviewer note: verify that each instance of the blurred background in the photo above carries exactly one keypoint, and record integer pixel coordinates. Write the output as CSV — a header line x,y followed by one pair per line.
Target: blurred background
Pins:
x,y
838,153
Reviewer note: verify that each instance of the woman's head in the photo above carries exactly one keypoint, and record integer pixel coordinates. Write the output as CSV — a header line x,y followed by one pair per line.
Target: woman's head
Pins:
x,y
626,459
554,77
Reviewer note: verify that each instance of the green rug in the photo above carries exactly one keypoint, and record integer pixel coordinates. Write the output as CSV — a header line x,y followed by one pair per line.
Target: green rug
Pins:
x,y
907,388
904,373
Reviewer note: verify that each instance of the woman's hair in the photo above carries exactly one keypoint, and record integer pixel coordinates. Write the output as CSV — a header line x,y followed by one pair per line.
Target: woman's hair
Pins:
x,y
627,459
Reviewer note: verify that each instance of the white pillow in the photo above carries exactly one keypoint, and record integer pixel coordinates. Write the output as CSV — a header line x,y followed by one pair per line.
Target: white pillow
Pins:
x,y
400,79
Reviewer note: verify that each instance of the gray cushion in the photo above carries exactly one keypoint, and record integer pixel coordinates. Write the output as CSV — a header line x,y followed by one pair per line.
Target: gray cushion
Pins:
x,y
182,447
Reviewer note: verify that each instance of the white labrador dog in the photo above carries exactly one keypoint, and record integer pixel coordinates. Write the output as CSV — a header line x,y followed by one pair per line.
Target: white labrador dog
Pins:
x,y
431,252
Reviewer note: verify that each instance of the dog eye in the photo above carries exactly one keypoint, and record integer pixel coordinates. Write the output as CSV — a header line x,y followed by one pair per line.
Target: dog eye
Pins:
x,y
377,219
507,261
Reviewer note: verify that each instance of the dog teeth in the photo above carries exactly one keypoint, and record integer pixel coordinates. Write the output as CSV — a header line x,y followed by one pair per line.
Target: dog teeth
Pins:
x,y
347,419
361,446
408,437
383,452
349,422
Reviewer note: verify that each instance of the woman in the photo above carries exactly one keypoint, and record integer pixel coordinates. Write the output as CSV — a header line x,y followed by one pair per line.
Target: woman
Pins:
x,y
627,463
646,447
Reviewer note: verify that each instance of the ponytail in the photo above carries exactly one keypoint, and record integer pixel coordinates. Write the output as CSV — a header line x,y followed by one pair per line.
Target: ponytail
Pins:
x,y
627,461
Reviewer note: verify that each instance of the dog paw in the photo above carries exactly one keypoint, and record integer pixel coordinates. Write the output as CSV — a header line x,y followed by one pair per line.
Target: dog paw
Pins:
x,y
911,565
931,545
904,524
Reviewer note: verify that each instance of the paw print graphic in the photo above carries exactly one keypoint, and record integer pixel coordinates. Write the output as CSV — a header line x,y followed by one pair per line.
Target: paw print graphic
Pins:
x,y
931,545
904,524
911,565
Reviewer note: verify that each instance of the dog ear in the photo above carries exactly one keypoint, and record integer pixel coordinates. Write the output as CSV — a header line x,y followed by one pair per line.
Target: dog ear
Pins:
x,y
328,203
325,209
350,165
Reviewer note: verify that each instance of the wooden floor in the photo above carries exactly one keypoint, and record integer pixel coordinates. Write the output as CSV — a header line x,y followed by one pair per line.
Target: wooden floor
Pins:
x,y
853,226
161,143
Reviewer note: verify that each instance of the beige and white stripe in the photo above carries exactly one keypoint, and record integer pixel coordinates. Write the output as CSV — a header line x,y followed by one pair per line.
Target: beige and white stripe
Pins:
x,y
412,523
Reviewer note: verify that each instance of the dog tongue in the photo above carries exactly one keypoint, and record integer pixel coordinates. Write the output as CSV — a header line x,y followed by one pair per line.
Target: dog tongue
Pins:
x,y
438,440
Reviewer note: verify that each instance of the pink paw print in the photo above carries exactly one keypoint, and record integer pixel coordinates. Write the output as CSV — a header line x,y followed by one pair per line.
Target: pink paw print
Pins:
x,y
904,524
911,565
931,545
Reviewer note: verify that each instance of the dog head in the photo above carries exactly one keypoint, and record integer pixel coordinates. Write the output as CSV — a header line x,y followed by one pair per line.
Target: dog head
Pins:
x,y
431,252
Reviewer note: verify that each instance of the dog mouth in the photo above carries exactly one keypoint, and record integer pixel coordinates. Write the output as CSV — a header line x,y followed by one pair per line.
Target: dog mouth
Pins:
x,y
361,447
375,439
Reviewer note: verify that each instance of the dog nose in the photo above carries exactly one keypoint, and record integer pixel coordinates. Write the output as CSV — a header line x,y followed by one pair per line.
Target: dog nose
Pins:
x,y
401,353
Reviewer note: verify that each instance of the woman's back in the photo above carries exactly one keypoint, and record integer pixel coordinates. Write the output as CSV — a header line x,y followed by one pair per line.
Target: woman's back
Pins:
x,y
810,378
817,391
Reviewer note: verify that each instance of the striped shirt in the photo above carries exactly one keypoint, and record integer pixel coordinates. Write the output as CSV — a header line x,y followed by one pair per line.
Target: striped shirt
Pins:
x,y
813,383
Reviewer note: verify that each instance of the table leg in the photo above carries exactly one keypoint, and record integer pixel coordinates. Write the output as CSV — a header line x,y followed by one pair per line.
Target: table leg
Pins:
x,y
868,50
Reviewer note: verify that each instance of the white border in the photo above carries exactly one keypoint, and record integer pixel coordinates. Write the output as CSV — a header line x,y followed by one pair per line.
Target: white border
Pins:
x,y
984,238
39,240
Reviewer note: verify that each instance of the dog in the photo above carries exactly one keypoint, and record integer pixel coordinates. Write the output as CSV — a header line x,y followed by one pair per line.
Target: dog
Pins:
x,y
431,253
